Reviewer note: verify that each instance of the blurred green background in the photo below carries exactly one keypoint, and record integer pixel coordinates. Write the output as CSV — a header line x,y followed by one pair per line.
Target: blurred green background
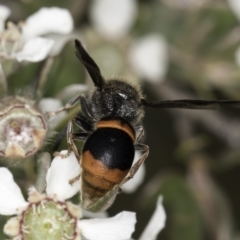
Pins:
x,y
194,159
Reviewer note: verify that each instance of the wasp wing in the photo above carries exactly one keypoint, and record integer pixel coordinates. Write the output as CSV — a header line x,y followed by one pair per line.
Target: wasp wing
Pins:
x,y
191,104
89,64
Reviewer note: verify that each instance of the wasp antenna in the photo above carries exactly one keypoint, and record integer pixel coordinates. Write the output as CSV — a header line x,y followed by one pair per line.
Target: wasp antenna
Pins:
x,y
89,64
191,104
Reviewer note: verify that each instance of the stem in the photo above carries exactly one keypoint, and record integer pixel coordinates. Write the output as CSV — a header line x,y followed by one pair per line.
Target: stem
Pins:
x,y
3,82
44,74
43,163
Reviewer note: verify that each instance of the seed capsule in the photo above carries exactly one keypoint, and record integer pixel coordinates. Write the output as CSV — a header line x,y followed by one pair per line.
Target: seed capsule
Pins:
x,y
23,127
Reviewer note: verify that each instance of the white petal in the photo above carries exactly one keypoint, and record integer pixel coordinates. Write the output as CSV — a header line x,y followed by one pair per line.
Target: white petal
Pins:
x,y
235,6
119,227
88,214
69,91
11,200
52,104
4,14
149,57
48,20
59,42
113,18
35,49
156,223
60,172
237,56
132,185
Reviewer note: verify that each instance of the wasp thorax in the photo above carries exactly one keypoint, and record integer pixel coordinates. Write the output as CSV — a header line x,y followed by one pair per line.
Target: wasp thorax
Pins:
x,y
117,98
22,127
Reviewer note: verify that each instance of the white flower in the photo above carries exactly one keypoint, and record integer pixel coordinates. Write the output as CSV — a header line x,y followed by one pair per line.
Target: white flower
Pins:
x,y
23,41
119,227
4,14
156,223
58,180
113,18
55,216
57,184
237,56
235,6
11,200
34,50
48,20
149,57
56,22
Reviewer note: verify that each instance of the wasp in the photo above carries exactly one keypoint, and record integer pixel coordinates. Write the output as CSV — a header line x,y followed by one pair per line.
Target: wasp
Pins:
x,y
110,126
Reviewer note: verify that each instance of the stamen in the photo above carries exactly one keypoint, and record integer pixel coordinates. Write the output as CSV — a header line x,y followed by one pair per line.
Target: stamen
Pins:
x,y
43,204
39,209
25,229
72,221
64,218
34,209
61,206
68,237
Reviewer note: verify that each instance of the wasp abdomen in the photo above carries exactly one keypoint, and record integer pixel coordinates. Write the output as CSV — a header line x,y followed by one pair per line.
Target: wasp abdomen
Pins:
x,y
106,159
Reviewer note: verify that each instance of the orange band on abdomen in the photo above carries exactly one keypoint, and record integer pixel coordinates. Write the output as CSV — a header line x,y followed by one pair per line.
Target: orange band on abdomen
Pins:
x,y
119,125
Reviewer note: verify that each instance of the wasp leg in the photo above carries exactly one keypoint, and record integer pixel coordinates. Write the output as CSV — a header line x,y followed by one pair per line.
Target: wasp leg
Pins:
x,y
75,136
59,139
82,124
73,180
139,132
83,102
69,105
86,109
70,143
82,136
136,166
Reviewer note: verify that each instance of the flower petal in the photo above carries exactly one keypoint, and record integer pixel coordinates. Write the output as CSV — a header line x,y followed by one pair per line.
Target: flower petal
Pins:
x,y
60,172
119,227
88,214
52,104
149,57
137,180
59,42
69,91
237,56
48,20
113,18
4,14
156,223
235,6
35,49
11,200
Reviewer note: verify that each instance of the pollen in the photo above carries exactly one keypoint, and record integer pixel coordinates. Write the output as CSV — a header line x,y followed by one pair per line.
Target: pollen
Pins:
x,y
23,128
